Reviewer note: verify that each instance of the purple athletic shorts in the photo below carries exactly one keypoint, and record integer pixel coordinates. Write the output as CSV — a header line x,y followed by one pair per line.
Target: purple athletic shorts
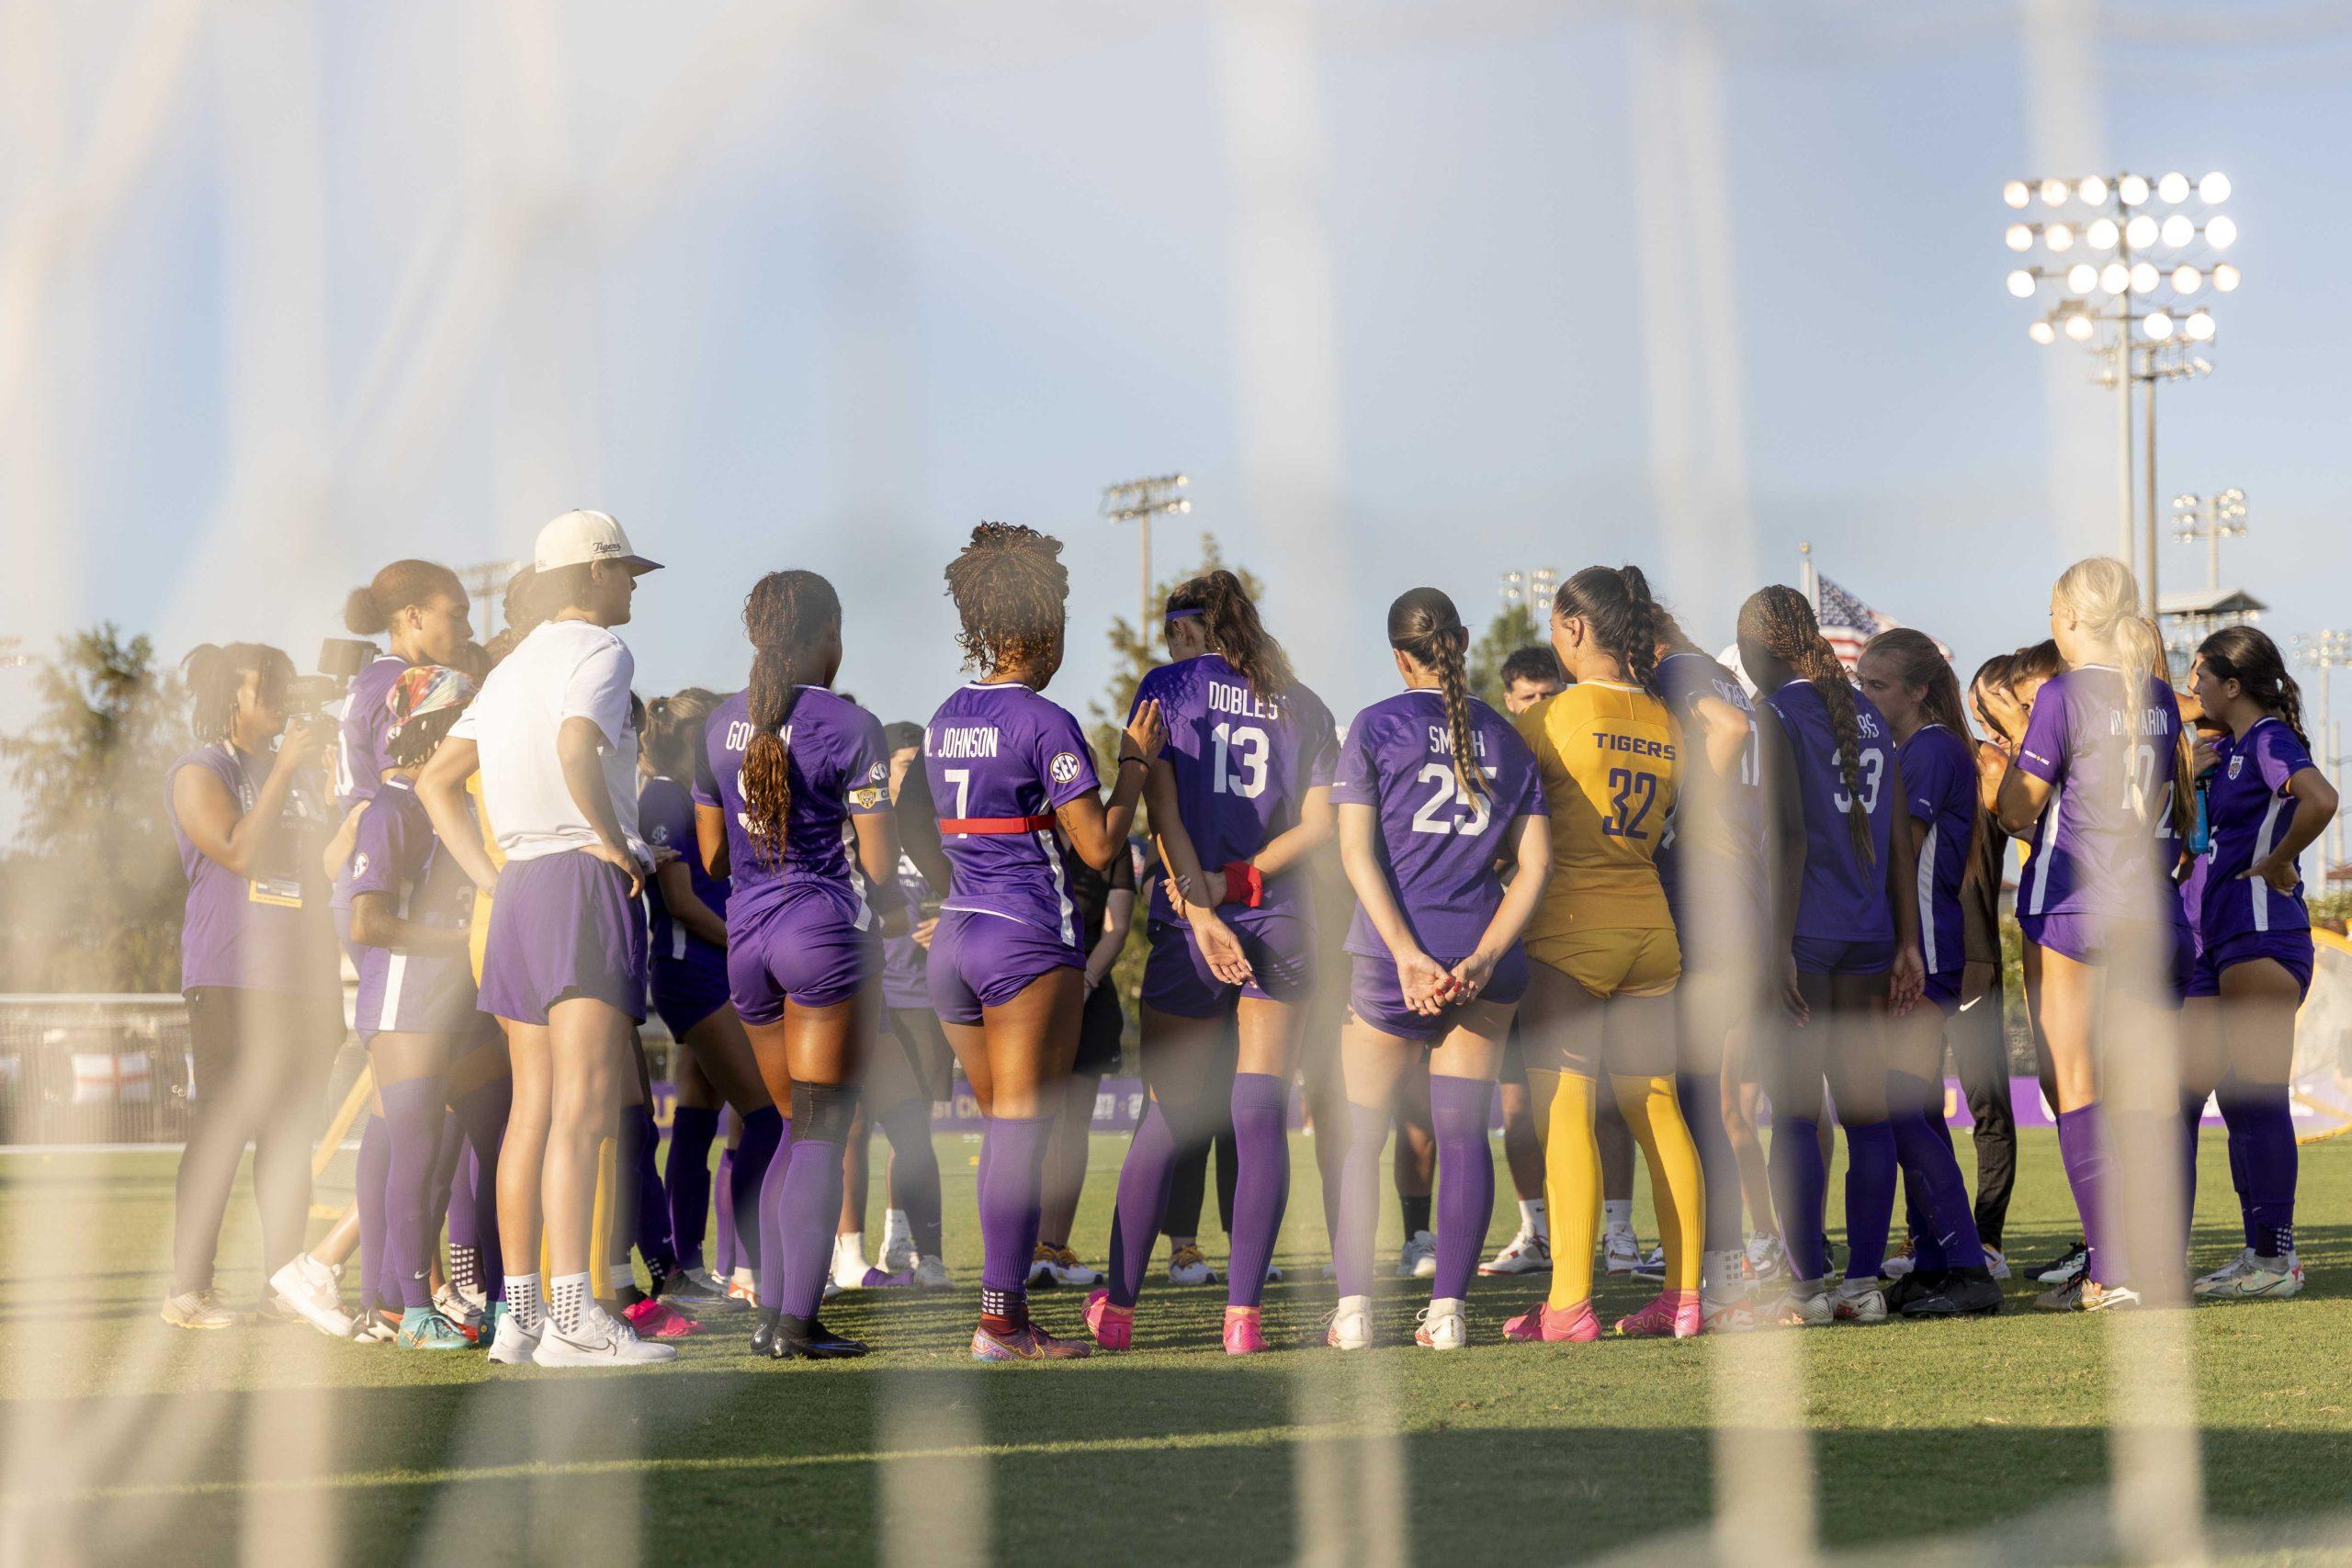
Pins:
x,y
562,926
2291,950
984,961
1944,991
1378,1001
2082,937
1826,955
1279,944
807,946
687,991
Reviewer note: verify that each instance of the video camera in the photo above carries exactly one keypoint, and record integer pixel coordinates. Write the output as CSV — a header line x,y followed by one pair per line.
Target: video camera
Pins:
x,y
340,657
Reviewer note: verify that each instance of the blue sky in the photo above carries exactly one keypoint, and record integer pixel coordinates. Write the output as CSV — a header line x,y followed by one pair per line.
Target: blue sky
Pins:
x,y
824,294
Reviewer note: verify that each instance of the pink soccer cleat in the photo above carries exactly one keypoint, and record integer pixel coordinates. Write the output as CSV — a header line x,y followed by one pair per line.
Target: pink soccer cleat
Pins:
x,y
1243,1334
1675,1315
1113,1328
659,1320
1543,1322
1027,1342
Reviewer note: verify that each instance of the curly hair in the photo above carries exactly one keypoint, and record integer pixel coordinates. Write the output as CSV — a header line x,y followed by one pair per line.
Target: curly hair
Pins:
x,y
788,615
216,673
1011,591
1230,618
1425,628
1780,621
1616,603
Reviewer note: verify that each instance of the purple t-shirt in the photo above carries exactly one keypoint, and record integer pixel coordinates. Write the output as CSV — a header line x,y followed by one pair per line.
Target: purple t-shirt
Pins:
x,y
838,767
1939,778
1843,899
665,816
1719,815
905,965
1436,848
1243,764
999,751
2105,844
2250,811
364,738
266,931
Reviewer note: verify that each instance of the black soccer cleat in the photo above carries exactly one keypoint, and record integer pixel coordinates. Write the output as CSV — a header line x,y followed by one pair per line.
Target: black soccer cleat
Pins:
x,y
1964,1293
807,1339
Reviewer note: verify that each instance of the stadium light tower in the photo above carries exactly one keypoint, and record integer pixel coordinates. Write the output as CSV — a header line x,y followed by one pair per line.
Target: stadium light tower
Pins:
x,y
1532,588
2323,651
13,655
2128,275
1139,501
2212,518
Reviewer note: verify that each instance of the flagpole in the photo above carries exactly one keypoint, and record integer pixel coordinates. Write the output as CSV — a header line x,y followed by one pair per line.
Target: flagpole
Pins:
x,y
1808,577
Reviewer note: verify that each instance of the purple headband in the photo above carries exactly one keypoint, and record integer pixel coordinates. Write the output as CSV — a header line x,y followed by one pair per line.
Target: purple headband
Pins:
x,y
1182,614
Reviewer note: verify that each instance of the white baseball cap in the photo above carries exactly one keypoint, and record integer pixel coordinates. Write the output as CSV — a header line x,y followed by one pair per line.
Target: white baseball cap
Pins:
x,y
578,537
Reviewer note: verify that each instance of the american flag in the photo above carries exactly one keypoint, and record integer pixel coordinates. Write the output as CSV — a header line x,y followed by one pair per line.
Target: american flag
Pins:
x,y
1846,622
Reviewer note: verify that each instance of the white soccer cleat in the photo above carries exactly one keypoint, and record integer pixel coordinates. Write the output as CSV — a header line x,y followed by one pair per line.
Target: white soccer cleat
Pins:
x,y
1351,1326
930,1274
1188,1265
599,1341
1620,1252
1523,1254
1806,1305
1996,1262
1767,1258
2266,1278
1419,1260
308,1286
1859,1301
1443,1325
1652,1266
513,1345
2220,1280
1060,1265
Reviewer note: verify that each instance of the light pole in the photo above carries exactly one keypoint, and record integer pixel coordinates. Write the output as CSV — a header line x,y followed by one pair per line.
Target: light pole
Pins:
x,y
1137,501
1532,588
13,655
2323,651
2212,518
2124,277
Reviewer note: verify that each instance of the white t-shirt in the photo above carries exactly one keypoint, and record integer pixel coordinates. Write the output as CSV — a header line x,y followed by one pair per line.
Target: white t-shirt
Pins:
x,y
563,670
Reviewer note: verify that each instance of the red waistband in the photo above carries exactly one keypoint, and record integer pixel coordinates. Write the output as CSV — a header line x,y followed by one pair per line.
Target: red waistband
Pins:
x,y
995,824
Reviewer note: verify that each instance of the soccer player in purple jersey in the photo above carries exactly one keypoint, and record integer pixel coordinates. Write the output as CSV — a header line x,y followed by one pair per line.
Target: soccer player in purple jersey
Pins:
x,y
1846,948
420,608
912,1066
1433,789
2101,779
687,935
1905,673
2267,802
1240,797
786,763
256,965
1003,766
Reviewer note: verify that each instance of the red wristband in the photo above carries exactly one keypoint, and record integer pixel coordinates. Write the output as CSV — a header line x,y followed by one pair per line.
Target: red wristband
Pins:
x,y
1243,885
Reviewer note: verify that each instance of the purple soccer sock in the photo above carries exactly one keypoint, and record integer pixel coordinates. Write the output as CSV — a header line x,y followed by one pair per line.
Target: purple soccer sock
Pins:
x,y
1145,1179
2237,1142
2192,1119
1012,1156
1869,1196
1800,1187
1466,1180
640,1145
1701,1096
800,1222
2082,1145
2272,1165
1931,1170
722,1252
367,1179
1351,1239
914,1171
763,1136
685,1175
413,1116
1262,1182
482,1112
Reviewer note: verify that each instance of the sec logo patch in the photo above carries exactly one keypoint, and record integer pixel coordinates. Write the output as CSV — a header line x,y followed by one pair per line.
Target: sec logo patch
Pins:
x,y
1063,769
358,865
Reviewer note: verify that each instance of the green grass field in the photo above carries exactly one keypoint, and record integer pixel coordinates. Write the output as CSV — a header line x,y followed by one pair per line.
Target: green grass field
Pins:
x,y
128,1440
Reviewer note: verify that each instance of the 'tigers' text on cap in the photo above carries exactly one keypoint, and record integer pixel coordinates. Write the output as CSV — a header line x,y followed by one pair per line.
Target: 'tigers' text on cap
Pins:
x,y
577,538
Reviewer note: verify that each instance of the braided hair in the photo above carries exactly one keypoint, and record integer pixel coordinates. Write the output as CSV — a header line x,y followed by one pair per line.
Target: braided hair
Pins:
x,y
2252,659
216,673
1011,591
789,616
1425,628
1779,622
1230,618
1616,603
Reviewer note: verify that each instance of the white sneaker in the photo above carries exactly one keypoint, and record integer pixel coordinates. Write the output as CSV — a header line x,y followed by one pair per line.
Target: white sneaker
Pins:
x,y
1996,1262
1523,1254
1859,1301
2220,1280
598,1342
1351,1328
1274,1273
1419,1260
1620,1252
898,1254
1899,1263
513,1345
2273,1278
1652,1266
1442,1325
1767,1258
1188,1265
1806,1305
1060,1265
308,1286
930,1274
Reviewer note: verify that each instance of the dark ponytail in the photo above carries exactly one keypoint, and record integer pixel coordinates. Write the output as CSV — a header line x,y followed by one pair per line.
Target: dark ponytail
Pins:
x,y
673,726
1425,628
1918,663
217,672
369,611
1779,620
2248,657
788,614
1616,603
1230,618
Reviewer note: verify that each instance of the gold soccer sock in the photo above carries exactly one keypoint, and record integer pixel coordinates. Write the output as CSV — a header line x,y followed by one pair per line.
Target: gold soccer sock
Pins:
x,y
1655,1118
1571,1186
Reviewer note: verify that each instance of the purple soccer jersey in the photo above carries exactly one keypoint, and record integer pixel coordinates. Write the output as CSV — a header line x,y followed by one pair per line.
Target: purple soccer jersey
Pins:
x,y
1712,816
838,767
2250,811
1000,754
1843,898
363,739
395,853
904,984
1940,779
2104,743
1243,763
666,815
268,931
1436,848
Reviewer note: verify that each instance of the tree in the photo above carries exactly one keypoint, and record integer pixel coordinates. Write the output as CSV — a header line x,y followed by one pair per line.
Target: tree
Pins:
x,y
92,889
1511,630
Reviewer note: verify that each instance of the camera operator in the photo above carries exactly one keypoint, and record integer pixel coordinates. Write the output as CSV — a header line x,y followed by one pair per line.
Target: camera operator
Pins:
x,y
257,960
